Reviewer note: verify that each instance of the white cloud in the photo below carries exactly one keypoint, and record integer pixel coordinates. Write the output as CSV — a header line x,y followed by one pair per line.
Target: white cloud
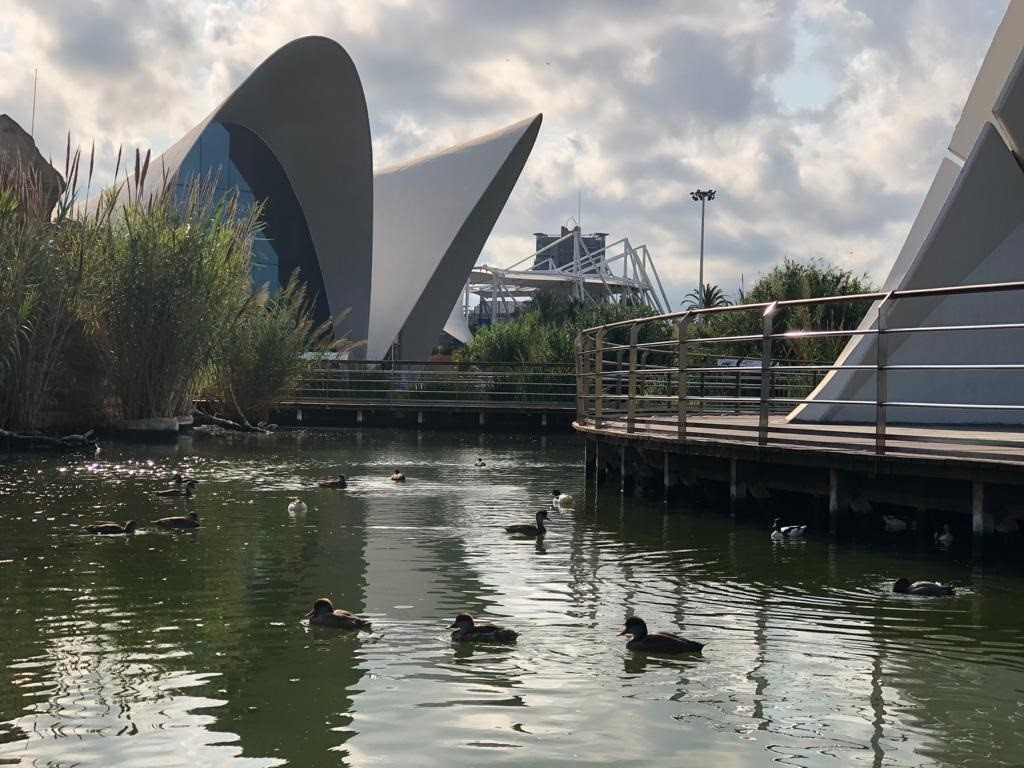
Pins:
x,y
820,122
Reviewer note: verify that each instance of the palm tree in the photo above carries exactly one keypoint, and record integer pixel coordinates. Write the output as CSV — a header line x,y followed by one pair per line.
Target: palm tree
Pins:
x,y
705,297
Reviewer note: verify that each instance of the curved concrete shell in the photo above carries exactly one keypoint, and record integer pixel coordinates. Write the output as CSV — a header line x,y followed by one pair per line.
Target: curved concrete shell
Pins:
x,y
431,217
970,230
305,103
395,248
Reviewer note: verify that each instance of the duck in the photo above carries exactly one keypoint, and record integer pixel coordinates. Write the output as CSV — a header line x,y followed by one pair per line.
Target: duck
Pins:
x,y
297,507
397,476
893,524
334,482
924,588
479,462
786,532
945,538
191,520
526,529
187,490
324,614
106,527
559,499
466,629
656,642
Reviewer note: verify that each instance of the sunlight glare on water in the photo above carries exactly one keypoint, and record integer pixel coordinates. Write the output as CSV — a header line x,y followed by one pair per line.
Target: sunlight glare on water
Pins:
x,y
187,648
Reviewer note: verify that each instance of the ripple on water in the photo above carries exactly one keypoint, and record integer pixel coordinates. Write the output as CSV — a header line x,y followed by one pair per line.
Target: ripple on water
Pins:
x,y
187,648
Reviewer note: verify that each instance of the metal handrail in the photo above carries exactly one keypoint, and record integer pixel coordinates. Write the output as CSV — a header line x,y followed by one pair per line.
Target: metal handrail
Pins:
x,y
636,385
516,385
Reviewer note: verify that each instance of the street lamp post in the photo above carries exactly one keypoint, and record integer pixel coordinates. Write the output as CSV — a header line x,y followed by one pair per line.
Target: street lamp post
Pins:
x,y
703,195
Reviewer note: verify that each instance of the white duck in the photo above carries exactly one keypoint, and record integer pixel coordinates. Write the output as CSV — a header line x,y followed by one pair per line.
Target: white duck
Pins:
x,y
893,524
787,532
945,538
297,507
559,499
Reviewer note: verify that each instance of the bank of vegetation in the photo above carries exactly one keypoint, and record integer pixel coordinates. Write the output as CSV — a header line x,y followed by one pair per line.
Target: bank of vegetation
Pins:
x,y
127,306
789,281
545,331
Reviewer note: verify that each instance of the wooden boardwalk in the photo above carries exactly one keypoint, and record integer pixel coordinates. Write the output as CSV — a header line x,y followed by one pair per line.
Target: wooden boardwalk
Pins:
x,y
924,470
991,445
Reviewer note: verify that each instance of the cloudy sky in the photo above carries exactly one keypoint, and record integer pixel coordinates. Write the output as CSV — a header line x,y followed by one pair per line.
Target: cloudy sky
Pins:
x,y
819,122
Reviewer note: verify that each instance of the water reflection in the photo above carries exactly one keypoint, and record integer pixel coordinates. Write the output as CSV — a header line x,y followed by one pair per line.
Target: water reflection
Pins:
x,y
190,646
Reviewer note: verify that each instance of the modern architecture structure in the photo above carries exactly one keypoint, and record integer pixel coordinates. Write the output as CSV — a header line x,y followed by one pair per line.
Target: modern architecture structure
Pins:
x,y
970,230
582,267
391,247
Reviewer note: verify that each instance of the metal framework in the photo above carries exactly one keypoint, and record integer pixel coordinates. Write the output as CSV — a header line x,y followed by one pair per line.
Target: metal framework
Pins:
x,y
678,389
618,272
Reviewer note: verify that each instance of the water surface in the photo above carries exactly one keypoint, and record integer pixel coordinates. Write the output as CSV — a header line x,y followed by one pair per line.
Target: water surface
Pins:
x,y
187,648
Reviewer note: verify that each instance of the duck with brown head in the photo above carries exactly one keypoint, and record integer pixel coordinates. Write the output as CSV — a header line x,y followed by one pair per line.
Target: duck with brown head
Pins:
x,y
191,520
531,531
656,642
334,482
324,614
467,630
107,528
186,489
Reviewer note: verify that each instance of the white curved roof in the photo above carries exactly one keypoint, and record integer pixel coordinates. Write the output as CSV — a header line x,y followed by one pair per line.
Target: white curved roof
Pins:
x,y
431,217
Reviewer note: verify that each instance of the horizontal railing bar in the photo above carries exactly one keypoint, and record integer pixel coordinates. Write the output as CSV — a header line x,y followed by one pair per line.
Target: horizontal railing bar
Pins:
x,y
910,293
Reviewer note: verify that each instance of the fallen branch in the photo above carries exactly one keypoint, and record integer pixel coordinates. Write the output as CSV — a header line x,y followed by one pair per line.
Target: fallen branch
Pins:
x,y
29,441
226,423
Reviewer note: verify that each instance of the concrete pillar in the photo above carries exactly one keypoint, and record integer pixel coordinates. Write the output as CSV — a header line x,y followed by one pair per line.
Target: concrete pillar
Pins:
x,y
543,419
419,417
664,477
359,417
298,415
482,419
924,527
982,519
622,469
838,499
734,487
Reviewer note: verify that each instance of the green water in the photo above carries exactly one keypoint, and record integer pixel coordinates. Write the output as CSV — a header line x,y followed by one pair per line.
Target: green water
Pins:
x,y
188,649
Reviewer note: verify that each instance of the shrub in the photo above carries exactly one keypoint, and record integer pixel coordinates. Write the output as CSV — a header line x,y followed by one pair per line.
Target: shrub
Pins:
x,y
269,350
169,280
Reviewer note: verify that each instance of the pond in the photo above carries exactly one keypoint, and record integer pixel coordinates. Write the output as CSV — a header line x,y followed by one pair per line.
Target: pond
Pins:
x,y
188,648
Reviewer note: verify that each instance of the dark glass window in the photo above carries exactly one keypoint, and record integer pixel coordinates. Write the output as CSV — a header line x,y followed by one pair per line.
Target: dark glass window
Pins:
x,y
239,159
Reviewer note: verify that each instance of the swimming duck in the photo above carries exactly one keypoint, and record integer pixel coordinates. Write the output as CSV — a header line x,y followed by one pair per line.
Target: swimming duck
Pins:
x,y
925,588
323,614
893,524
106,527
945,538
479,462
186,491
398,477
467,630
179,521
656,642
297,507
786,532
526,529
559,499
332,482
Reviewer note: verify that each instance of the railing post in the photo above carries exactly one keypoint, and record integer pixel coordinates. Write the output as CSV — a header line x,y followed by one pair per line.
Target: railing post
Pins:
x,y
881,373
581,379
766,375
598,376
634,335
681,378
